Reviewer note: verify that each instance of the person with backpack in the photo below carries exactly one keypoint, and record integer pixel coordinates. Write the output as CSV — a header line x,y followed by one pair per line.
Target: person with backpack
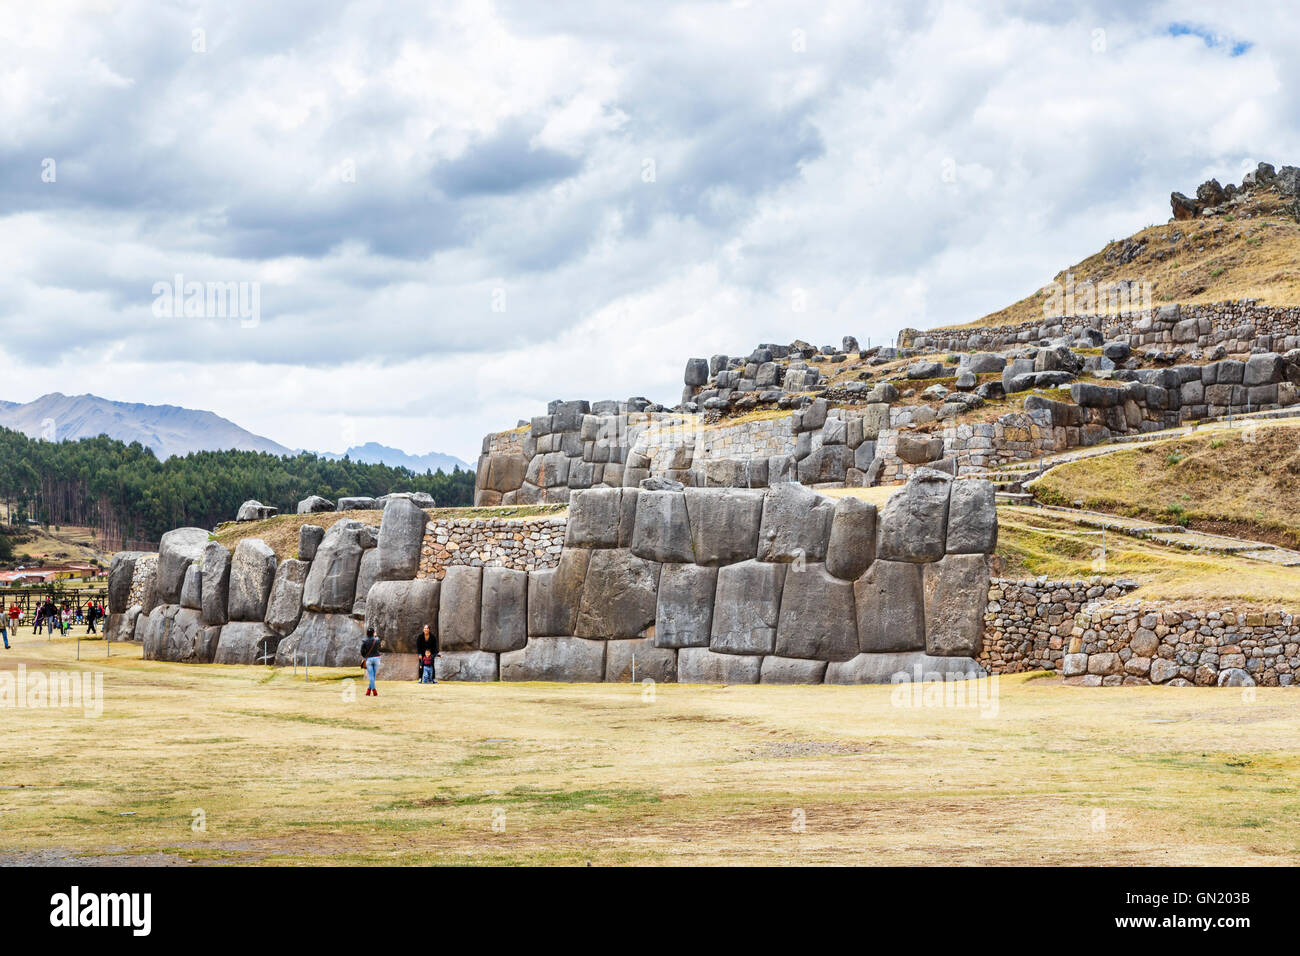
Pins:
x,y
370,659
92,615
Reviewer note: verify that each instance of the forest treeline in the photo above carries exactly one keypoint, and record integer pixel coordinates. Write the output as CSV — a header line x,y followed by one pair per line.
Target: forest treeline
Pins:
x,y
127,494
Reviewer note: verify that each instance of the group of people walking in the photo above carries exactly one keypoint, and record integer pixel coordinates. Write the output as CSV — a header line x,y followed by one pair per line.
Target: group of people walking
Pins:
x,y
426,650
52,618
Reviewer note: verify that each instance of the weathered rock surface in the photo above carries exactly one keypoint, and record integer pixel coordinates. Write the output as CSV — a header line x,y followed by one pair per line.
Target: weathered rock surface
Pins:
x,y
314,504
310,537
662,528
724,523
252,571
121,572
795,524
192,588
619,596
903,667
332,582
890,608
852,545
173,633
504,625
570,659
699,665
476,666
322,640
399,610
216,584
790,670
284,607
246,642
684,616
554,595
658,664
817,616
253,510
460,608
177,551
603,518
401,536
914,523
747,608
956,593
972,517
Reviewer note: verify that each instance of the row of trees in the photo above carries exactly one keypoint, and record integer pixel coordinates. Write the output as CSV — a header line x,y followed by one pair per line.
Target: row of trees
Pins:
x,y
127,494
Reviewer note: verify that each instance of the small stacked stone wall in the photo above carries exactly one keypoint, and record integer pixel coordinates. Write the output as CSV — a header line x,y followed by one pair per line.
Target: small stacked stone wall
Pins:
x,y
518,544
1084,631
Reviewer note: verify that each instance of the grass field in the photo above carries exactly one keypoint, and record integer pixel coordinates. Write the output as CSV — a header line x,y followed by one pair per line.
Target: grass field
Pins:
x,y
282,771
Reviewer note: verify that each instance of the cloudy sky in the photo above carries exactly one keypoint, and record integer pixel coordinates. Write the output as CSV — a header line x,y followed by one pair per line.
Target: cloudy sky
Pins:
x,y
454,212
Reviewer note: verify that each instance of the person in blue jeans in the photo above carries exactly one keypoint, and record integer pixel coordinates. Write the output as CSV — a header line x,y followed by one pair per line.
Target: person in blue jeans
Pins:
x,y
370,655
4,632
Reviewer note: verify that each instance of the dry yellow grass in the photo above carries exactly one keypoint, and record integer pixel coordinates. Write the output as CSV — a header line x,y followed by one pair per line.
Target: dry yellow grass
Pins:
x,y
288,772
1216,260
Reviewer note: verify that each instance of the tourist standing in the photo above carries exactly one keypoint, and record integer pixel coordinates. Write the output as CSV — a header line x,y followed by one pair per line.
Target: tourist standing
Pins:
x,y
427,642
370,659
15,616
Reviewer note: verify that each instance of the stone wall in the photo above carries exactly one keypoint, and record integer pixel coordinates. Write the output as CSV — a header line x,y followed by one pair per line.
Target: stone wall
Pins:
x,y
527,544
1238,326
697,584
1083,631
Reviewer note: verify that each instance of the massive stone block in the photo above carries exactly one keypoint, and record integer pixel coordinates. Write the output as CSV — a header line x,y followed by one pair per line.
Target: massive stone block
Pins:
x,y
914,523
401,536
284,607
684,617
619,596
173,633
322,640
956,593
178,550
796,524
367,578
332,581
724,523
569,659
121,572
662,529
192,588
817,618
747,608
902,668
852,545
602,518
252,571
640,660
460,609
891,608
121,627
466,666
699,665
314,504
790,670
216,584
503,471
246,642
972,517
399,610
555,594
504,624
310,537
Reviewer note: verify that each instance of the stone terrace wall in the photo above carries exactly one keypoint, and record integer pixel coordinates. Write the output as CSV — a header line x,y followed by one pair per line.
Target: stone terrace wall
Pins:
x,y
1080,630
519,544
1238,326
694,585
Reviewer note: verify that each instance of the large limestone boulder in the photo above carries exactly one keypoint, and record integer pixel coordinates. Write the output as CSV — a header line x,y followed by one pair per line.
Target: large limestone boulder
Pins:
x,y
817,618
401,537
177,551
246,642
791,670
216,584
322,640
173,633
724,523
555,594
619,595
699,665
747,608
477,666
399,610
956,594
504,623
192,589
852,545
284,607
332,581
661,527
902,668
314,504
796,524
310,537
602,518
640,660
684,615
367,578
252,572
121,572
972,517
253,510
459,609
891,608
569,659
121,627
358,503
914,523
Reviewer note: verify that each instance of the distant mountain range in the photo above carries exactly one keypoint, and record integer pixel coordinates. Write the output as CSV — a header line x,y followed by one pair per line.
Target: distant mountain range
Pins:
x,y
170,430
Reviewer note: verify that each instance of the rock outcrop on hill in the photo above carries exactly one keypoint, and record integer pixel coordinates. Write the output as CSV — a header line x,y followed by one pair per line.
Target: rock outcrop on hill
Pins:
x,y
1215,200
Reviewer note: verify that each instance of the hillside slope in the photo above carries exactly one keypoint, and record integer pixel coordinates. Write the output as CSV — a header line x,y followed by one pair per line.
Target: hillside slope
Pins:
x,y
1248,248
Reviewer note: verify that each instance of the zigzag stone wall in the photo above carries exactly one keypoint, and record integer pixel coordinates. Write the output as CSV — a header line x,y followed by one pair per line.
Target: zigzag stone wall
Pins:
x,y
723,585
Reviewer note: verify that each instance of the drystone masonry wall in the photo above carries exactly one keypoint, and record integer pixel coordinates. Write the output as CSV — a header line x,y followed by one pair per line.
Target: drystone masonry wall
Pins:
x,y
673,584
517,544
1238,326
1082,631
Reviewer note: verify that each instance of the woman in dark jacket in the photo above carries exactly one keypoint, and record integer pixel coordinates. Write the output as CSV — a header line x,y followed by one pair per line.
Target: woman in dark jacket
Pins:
x,y
427,641
370,658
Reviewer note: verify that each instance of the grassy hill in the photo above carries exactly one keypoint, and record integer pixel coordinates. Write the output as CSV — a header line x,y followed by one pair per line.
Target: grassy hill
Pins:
x,y
1252,254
